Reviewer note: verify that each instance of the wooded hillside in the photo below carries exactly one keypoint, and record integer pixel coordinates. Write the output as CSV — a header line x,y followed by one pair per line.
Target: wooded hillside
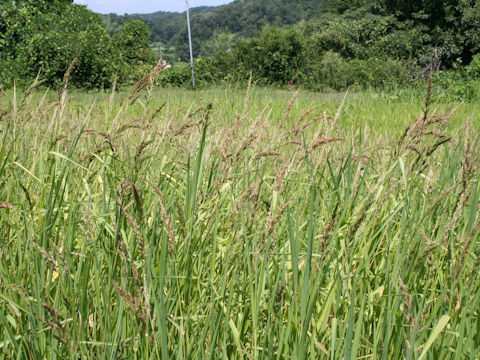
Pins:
x,y
214,25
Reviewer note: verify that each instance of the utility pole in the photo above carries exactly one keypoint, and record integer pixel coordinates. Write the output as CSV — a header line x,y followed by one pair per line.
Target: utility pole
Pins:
x,y
190,44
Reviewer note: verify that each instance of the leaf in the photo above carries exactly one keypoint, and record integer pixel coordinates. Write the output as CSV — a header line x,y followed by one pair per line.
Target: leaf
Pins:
x,y
436,331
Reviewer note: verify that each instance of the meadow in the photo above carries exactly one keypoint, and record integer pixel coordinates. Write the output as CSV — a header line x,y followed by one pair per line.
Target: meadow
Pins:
x,y
238,224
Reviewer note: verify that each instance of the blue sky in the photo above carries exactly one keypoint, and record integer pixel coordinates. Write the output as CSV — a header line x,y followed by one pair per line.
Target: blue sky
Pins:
x,y
143,6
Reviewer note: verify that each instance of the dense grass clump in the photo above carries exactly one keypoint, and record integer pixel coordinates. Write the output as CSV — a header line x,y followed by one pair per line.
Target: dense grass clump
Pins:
x,y
168,224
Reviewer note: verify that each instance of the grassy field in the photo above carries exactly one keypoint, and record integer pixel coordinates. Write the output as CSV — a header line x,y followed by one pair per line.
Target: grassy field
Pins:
x,y
238,224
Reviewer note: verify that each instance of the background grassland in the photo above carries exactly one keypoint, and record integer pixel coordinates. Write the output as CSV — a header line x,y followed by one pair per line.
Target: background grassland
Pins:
x,y
233,224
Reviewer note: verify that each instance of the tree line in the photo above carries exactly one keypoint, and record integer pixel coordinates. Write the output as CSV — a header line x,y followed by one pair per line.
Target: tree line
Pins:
x,y
212,25
327,44
369,43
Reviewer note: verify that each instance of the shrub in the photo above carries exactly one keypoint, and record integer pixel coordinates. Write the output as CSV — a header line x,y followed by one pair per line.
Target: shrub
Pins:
x,y
473,69
335,72
273,58
180,75
459,83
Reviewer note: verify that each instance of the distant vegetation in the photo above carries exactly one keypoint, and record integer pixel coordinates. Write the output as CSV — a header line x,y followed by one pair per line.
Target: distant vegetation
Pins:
x,y
211,24
319,45
337,44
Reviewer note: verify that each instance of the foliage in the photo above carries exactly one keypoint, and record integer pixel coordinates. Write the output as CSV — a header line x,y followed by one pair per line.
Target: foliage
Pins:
x,y
460,83
219,43
361,35
133,45
318,57
473,69
180,75
133,42
315,44
452,24
413,37
46,36
364,46
241,18
447,28
273,57
335,72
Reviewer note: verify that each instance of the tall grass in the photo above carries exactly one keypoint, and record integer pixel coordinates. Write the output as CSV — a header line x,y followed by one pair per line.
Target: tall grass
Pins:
x,y
147,227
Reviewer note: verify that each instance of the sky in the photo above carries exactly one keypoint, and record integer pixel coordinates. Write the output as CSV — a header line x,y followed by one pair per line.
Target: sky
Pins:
x,y
144,6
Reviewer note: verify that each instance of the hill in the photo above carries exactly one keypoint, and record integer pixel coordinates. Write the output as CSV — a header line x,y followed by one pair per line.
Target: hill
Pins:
x,y
217,27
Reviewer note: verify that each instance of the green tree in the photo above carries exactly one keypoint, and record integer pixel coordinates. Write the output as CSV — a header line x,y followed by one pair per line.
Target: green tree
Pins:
x,y
452,24
274,57
221,42
47,35
133,44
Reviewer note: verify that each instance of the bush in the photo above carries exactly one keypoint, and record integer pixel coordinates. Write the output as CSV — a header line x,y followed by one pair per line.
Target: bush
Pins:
x,y
362,35
337,73
473,69
342,51
180,75
273,58
460,83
